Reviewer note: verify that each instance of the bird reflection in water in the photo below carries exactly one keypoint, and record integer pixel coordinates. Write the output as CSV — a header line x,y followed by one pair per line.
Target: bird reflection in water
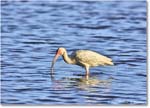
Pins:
x,y
85,84
81,83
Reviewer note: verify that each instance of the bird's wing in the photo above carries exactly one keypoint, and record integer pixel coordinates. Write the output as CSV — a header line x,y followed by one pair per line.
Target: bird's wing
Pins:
x,y
91,58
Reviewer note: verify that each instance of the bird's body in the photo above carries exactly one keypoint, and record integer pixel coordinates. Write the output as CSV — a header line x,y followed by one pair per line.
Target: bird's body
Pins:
x,y
84,58
90,58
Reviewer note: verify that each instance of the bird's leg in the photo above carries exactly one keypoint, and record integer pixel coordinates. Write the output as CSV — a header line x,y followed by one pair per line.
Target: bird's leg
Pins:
x,y
87,72
87,77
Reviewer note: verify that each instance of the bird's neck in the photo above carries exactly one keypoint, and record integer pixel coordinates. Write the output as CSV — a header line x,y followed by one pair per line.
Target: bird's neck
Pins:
x,y
67,59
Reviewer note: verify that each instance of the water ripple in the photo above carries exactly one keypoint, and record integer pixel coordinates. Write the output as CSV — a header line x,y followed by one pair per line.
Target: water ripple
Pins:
x,y
32,32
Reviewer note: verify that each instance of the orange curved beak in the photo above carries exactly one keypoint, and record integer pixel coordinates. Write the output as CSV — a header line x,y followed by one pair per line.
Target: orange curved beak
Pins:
x,y
54,60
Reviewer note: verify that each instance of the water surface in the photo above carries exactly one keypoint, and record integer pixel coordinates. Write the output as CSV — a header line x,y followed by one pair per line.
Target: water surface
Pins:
x,y
32,31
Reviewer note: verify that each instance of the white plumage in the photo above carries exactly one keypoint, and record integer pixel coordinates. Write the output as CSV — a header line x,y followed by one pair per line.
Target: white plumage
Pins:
x,y
84,58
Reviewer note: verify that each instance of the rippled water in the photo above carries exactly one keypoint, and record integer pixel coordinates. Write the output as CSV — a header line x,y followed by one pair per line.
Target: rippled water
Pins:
x,y
32,31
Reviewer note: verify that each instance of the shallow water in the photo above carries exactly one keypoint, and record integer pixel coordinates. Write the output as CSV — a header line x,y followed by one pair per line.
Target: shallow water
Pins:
x,y
32,32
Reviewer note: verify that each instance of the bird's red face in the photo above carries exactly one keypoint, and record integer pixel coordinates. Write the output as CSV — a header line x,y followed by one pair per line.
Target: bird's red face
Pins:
x,y
59,52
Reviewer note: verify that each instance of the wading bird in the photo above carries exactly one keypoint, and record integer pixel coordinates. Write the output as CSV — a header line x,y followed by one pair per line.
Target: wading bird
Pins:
x,y
83,58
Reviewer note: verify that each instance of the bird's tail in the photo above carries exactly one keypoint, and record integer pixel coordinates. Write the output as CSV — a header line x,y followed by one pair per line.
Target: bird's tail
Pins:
x,y
110,63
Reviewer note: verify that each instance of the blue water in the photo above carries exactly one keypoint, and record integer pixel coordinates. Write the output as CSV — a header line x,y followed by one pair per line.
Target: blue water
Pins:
x,y
32,31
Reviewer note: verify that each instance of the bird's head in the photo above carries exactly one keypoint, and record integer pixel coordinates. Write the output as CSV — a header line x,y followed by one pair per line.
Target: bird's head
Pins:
x,y
60,51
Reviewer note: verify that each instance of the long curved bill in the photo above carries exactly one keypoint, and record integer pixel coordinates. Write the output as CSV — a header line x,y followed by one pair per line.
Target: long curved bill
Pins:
x,y
53,62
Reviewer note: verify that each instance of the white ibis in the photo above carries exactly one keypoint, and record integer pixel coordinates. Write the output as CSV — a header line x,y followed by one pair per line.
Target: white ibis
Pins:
x,y
83,58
